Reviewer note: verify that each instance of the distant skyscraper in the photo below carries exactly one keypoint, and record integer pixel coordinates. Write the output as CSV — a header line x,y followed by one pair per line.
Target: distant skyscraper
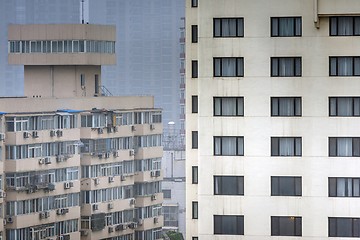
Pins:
x,y
28,12
148,49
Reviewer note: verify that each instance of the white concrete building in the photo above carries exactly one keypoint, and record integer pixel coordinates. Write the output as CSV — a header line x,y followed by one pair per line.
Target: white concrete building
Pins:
x,y
272,121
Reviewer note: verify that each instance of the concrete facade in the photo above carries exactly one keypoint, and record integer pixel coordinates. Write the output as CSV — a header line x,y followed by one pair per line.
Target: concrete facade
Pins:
x,y
257,205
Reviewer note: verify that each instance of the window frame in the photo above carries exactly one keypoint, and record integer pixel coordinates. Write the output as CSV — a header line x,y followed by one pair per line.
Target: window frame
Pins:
x,y
239,72
278,144
238,138
239,20
337,68
295,101
194,139
194,104
194,3
194,210
278,26
194,175
239,221
330,152
239,185
352,221
194,69
334,189
337,106
237,99
296,72
295,187
194,34
276,219
331,18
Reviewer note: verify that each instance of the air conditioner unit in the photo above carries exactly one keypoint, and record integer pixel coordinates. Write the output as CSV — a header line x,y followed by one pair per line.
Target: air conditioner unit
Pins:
x,y
153,174
120,227
152,127
35,134
101,155
109,129
140,222
92,154
133,225
96,181
47,214
42,215
111,179
116,129
156,220
116,154
100,131
133,128
59,133
26,134
64,211
59,158
153,197
2,136
107,155
59,211
110,205
41,161
111,229
52,133
47,160
122,177
132,152
157,173
95,207
2,194
132,201
84,232
51,187
66,185
9,219
71,184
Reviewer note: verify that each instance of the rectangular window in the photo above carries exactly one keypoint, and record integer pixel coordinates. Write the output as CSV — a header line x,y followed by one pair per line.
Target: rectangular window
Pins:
x,y
344,227
194,139
82,80
167,193
344,187
195,175
229,67
286,27
344,66
286,146
194,69
344,146
195,210
194,3
286,106
286,186
229,146
344,106
194,104
344,26
229,224
194,33
97,84
228,106
286,66
195,238
286,226
229,185
228,27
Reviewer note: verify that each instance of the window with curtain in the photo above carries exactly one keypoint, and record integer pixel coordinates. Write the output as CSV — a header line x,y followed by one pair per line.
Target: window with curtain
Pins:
x,y
344,187
344,146
229,67
286,106
194,69
344,66
286,146
194,136
195,178
286,186
229,146
194,33
228,106
286,226
344,106
344,26
286,67
194,3
229,185
229,224
228,27
286,26
194,104
344,227
195,210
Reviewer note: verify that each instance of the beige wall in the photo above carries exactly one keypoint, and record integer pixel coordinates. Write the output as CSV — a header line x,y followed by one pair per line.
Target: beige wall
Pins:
x,y
315,86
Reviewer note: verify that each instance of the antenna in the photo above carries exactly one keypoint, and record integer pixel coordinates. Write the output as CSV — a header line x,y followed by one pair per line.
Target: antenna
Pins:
x,y
82,11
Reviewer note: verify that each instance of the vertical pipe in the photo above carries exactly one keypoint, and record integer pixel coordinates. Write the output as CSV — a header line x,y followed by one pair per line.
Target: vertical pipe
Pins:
x,y
316,14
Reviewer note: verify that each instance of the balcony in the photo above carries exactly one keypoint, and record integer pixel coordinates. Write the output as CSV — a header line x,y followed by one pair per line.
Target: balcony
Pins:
x,y
143,201
89,184
149,152
148,129
336,7
111,206
107,157
149,176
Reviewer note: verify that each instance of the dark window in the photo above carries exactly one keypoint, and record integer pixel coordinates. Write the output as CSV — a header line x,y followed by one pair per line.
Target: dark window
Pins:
x,y
228,225
286,226
228,106
344,106
194,3
285,186
195,210
229,67
228,27
286,66
228,146
194,33
344,227
194,174
344,26
344,146
228,185
194,139
286,106
167,193
286,146
344,66
195,238
194,69
82,80
194,104
97,84
286,27
344,187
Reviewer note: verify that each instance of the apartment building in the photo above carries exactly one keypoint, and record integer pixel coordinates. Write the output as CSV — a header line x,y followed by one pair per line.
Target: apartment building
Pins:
x,y
77,164
272,119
